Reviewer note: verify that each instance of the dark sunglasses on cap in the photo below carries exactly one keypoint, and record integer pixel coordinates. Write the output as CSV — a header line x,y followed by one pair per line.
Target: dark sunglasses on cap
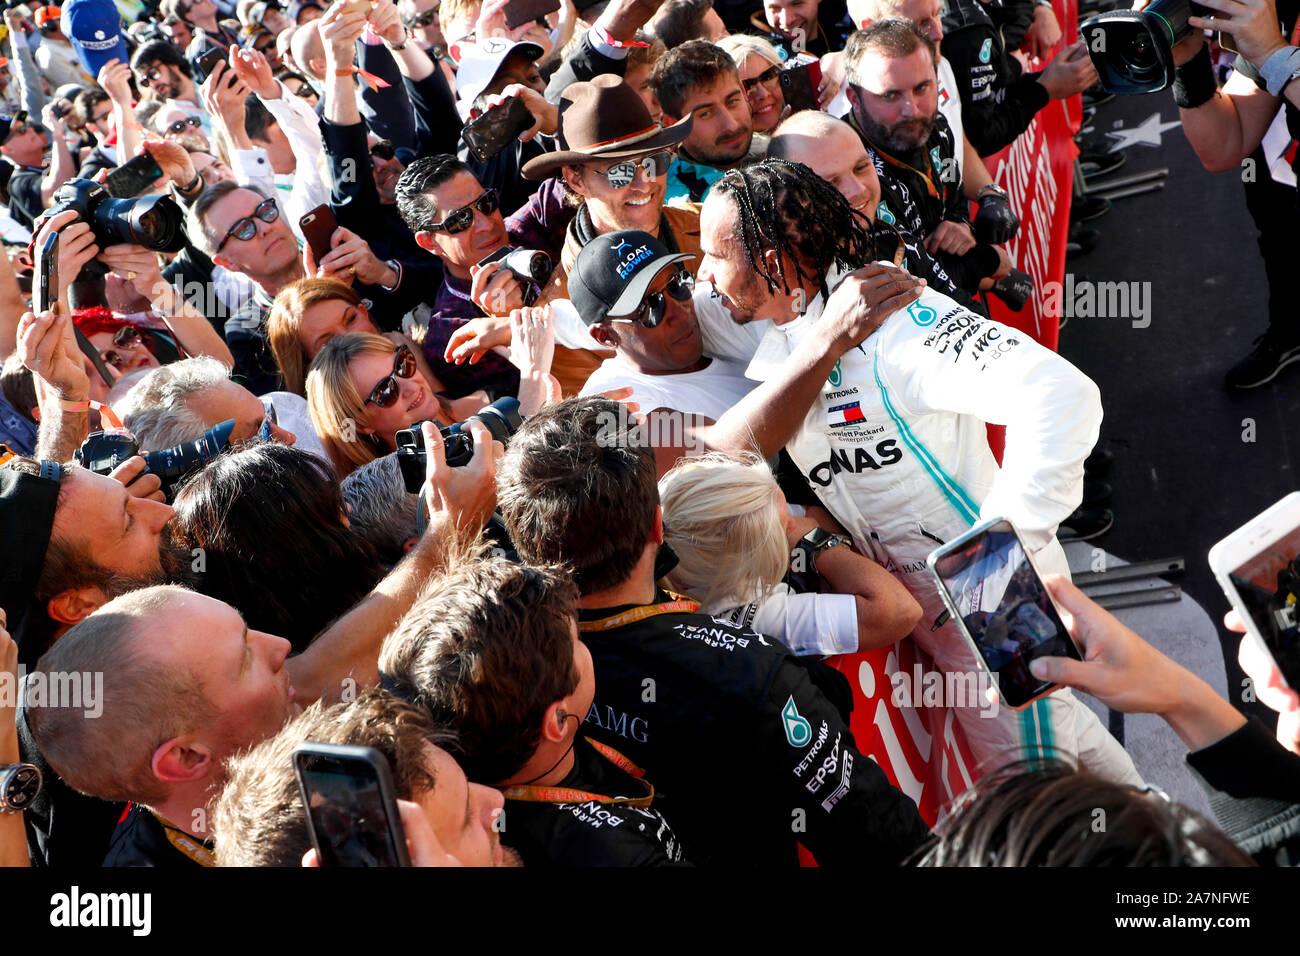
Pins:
x,y
127,337
246,228
622,174
768,78
386,390
655,305
383,150
458,220
190,122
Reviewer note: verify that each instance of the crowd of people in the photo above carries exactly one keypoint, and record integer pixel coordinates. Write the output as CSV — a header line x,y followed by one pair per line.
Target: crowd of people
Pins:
x,y
540,404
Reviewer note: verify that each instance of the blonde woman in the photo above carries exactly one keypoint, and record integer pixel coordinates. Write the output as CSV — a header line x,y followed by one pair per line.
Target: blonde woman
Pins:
x,y
729,524
760,77
362,388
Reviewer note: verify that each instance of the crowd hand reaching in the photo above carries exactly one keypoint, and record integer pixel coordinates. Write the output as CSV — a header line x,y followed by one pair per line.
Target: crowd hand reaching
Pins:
x,y
138,482
954,237
863,300
422,844
115,79
492,23
255,73
532,347
53,122
386,23
1127,674
494,289
173,159
472,340
833,77
350,257
1043,34
223,94
76,246
546,117
48,347
339,31
464,496
1270,686
1070,72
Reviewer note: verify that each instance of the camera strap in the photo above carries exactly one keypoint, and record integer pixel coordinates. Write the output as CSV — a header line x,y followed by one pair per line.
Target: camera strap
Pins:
x,y
92,353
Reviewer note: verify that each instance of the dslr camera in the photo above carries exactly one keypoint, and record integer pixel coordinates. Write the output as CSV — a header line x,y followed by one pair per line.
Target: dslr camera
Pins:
x,y
526,265
501,418
101,452
155,222
1133,50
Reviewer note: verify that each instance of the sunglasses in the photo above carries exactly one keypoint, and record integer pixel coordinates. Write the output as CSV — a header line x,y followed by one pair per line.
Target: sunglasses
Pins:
x,y
768,78
127,337
654,165
151,74
386,390
458,220
102,117
245,228
190,122
383,150
264,433
424,19
655,305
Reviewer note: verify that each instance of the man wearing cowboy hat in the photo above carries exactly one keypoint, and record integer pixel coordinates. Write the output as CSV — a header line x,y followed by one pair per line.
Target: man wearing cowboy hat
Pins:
x,y
616,158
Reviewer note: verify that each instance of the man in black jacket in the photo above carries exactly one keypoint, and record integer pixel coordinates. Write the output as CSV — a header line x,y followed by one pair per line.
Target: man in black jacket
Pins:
x,y
687,697
493,652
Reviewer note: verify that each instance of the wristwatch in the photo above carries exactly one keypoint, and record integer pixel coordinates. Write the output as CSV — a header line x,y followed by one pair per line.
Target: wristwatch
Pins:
x,y
995,189
818,540
20,783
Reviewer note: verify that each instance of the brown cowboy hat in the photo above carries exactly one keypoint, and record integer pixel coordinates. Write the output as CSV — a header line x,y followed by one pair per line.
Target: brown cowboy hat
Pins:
x,y
601,120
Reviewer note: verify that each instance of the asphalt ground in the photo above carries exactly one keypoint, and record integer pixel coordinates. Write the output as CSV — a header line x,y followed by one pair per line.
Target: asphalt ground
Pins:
x,y
1193,461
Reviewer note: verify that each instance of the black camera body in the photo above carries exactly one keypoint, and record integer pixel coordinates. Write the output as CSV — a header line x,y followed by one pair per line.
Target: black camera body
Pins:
x,y
526,265
155,222
501,418
1133,50
101,452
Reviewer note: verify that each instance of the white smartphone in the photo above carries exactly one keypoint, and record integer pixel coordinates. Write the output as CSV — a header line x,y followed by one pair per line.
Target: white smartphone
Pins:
x,y
998,600
1258,567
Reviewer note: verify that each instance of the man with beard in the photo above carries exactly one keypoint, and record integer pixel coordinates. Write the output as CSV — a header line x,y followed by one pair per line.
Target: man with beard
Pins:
x,y
162,73
700,80
893,92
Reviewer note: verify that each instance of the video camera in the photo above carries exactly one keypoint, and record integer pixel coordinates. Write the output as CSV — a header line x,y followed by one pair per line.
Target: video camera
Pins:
x,y
101,452
155,222
1133,50
501,418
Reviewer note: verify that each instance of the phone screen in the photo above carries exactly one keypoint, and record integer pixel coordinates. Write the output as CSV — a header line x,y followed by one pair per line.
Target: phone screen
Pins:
x,y
1267,587
350,811
1005,608
497,128
133,177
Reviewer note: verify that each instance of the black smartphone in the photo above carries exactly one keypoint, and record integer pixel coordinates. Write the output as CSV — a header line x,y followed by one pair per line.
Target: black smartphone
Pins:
x,y
317,228
351,805
998,600
133,177
519,12
206,63
47,267
799,82
497,128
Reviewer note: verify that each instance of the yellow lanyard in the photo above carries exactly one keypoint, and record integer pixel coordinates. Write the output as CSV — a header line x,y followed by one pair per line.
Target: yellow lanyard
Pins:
x,y
640,614
565,795
185,843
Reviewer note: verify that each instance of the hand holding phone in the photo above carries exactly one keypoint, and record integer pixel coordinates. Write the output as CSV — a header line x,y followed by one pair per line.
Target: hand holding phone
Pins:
x,y
497,128
133,177
350,800
318,229
800,81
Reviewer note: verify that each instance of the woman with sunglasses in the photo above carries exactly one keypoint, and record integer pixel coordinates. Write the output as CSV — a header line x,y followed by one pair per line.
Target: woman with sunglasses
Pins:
x,y
123,345
308,313
362,389
760,76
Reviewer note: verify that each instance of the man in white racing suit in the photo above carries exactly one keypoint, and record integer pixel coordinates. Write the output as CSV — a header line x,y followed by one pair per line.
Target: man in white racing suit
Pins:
x,y
895,443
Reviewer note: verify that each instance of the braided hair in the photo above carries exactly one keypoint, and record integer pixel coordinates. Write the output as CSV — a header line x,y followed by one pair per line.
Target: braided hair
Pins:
x,y
788,207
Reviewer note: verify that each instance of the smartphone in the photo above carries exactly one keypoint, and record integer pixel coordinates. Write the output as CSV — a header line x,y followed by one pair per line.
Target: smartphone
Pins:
x,y
997,598
1258,567
207,63
133,177
799,81
47,267
497,128
351,808
317,228
519,12
356,6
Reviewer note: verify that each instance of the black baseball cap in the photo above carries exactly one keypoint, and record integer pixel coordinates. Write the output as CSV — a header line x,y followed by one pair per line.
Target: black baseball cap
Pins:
x,y
27,504
613,272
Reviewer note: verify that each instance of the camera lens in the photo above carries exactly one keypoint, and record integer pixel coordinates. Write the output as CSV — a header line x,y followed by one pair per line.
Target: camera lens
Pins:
x,y
1140,59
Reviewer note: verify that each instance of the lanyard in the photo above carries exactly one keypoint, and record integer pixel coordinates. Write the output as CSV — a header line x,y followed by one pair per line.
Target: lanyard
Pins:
x,y
567,795
184,843
639,614
929,181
